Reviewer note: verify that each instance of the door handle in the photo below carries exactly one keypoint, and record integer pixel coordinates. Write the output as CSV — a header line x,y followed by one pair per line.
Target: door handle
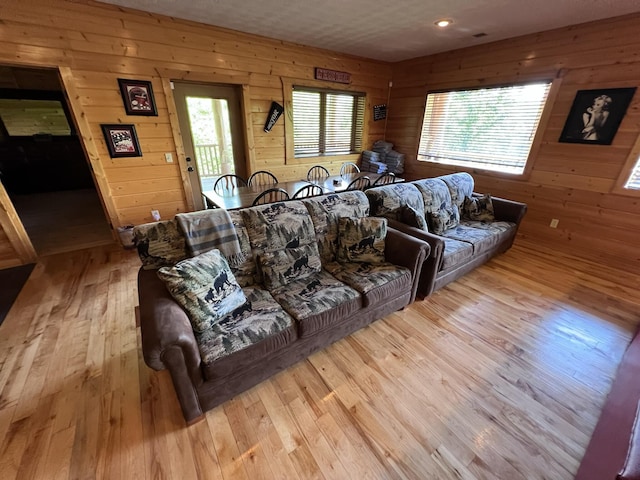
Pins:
x,y
189,169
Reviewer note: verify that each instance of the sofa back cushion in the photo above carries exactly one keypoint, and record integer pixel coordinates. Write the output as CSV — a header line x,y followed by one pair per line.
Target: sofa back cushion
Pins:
x,y
460,186
390,201
159,244
438,205
246,272
326,211
362,240
277,226
281,267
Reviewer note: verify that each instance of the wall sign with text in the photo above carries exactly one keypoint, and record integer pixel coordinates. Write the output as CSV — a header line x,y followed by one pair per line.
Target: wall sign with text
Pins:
x,y
332,75
379,112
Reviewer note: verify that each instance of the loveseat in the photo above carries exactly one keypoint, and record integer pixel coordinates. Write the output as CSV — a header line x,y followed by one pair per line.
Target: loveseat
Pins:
x,y
464,229
304,274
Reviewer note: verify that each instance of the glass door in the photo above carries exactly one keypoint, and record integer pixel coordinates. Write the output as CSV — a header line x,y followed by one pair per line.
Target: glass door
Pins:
x,y
211,125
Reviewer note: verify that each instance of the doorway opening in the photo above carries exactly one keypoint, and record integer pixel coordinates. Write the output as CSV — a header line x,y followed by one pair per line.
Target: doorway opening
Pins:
x,y
210,118
43,166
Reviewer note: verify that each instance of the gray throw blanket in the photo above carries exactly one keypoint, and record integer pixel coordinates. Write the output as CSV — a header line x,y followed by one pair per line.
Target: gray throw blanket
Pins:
x,y
209,229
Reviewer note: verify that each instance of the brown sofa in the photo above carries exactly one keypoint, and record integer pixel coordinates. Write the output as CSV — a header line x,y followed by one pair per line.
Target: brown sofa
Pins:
x,y
613,452
461,247
207,370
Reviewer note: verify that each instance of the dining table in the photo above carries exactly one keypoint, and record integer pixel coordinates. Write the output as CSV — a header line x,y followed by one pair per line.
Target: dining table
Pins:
x,y
241,197
339,183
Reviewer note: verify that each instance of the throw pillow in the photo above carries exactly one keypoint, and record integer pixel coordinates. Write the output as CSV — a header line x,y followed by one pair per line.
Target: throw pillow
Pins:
x,y
478,208
444,219
361,240
283,266
411,217
159,244
205,287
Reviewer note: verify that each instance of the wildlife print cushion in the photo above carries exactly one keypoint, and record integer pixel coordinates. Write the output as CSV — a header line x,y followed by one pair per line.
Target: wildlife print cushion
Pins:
x,y
361,239
444,219
281,267
478,208
205,287
159,244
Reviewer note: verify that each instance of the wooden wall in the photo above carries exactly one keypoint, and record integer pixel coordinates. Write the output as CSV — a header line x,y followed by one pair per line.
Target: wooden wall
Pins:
x,y
570,182
100,43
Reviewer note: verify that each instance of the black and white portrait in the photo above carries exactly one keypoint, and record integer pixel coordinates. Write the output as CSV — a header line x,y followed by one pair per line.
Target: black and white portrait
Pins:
x,y
596,115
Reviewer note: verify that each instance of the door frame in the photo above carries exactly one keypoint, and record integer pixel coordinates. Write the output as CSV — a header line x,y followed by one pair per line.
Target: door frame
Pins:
x,y
245,106
9,219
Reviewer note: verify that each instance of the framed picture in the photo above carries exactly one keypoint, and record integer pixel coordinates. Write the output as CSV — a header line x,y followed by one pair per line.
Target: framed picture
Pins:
x,y
122,140
596,115
137,96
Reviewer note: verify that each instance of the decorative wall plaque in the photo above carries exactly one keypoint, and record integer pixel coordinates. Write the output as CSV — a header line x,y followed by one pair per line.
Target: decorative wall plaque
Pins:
x,y
332,75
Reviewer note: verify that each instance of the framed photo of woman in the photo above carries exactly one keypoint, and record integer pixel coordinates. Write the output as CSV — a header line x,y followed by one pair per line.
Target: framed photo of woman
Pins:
x,y
596,115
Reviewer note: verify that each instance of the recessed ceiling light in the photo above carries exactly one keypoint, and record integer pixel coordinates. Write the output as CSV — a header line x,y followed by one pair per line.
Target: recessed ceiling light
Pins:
x,y
445,22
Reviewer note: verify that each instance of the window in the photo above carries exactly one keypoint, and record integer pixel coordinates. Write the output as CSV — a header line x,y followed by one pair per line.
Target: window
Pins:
x,y
633,182
488,128
26,117
326,122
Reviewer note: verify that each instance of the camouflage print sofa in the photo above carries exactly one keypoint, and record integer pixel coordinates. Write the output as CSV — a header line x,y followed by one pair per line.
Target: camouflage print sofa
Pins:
x,y
303,286
463,228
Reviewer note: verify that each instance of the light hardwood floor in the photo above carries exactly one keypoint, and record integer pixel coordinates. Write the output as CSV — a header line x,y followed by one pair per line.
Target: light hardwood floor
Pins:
x,y
500,375
63,221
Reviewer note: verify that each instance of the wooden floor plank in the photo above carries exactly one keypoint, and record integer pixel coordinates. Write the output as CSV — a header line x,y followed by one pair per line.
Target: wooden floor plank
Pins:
x,y
499,375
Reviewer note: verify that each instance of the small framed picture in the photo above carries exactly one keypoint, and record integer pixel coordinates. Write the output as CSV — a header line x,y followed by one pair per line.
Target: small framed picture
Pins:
x,y
137,96
122,140
596,115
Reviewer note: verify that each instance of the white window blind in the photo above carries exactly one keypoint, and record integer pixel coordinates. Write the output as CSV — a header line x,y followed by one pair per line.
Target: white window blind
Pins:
x,y
327,122
489,128
634,179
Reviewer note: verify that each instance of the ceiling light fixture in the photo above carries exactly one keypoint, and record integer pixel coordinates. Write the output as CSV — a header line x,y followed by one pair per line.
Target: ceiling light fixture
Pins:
x,y
445,22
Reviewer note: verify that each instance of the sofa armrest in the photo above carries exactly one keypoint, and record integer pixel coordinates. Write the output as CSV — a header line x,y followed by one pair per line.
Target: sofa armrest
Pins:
x,y
433,261
507,210
406,251
631,468
164,326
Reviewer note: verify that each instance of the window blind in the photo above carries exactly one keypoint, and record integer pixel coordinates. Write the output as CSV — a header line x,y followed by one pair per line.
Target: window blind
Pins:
x,y
634,179
490,128
327,122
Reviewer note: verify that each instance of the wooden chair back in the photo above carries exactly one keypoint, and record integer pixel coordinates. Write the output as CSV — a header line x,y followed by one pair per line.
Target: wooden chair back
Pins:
x,y
317,172
270,196
360,183
228,182
385,179
308,191
349,167
262,177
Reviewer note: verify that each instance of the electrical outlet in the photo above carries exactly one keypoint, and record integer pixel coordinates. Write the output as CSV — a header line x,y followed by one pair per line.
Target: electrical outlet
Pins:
x,y
168,157
155,214
554,223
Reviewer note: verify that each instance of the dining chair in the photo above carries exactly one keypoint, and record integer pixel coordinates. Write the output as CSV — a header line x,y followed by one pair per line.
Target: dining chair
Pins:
x,y
349,167
262,177
228,182
207,202
385,179
308,191
360,183
270,196
317,172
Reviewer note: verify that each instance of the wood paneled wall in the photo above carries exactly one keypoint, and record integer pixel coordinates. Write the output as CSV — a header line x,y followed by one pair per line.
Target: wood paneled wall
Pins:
x,y
570,182
100,43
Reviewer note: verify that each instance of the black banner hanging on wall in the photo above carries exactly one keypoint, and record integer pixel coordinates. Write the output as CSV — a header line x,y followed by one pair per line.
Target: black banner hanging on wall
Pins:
x,y
274,114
